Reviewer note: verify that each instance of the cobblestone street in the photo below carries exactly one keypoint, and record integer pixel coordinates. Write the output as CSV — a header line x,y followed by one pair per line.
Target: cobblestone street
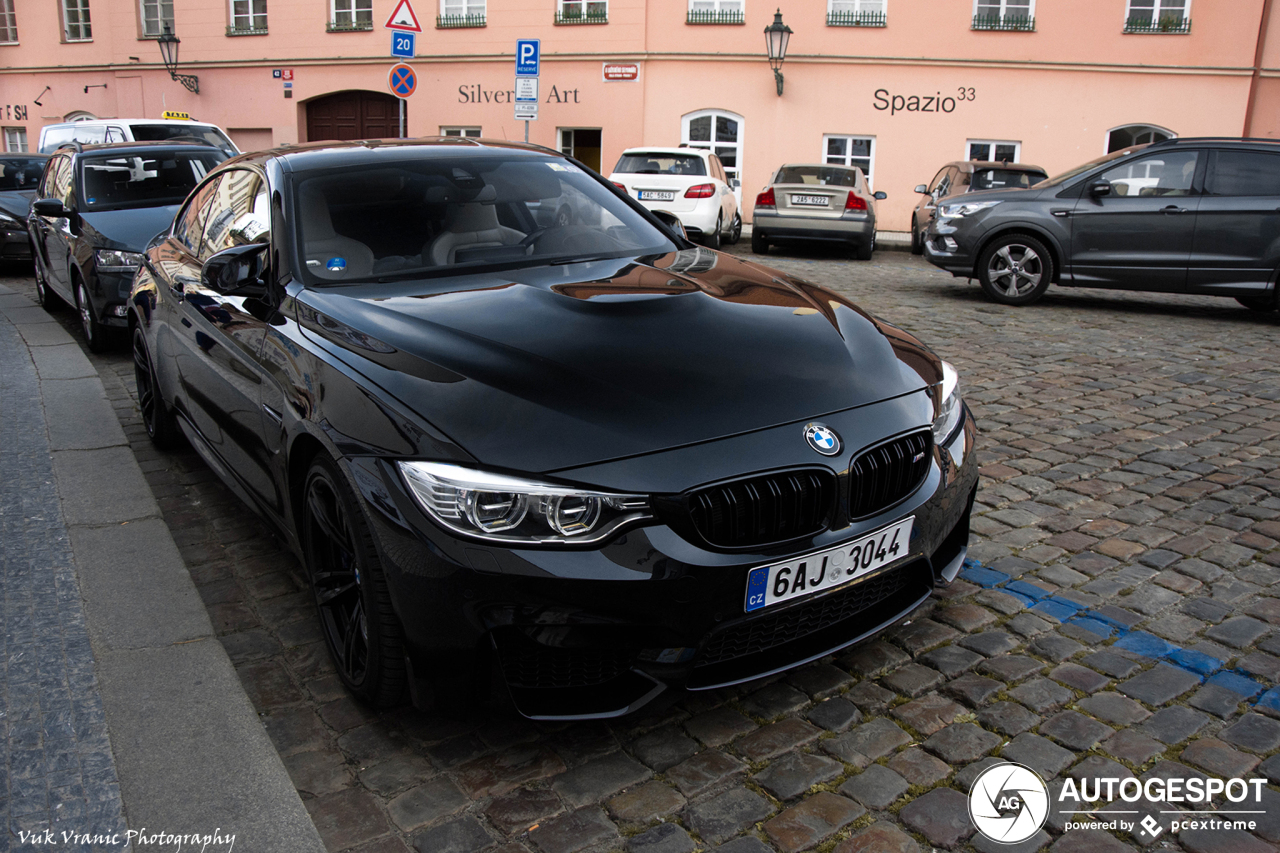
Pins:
x,y
1117,618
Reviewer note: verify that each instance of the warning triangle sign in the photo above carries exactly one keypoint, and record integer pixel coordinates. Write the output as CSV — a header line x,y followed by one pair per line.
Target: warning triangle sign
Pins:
x,y
403,19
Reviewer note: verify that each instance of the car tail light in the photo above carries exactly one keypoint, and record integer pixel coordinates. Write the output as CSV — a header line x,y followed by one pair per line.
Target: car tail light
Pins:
x,y
855,202
620,186
700,191
766,199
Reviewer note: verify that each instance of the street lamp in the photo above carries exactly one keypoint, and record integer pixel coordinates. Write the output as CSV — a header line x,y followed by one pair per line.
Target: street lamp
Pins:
x,y
169,53
776,36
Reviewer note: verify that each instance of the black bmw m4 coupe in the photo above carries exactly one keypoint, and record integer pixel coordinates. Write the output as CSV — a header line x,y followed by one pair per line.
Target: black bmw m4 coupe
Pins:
x,y
587,460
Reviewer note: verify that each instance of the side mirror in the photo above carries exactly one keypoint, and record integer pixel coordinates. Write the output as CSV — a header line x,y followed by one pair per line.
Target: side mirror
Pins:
x,y
48,207
234,268
1097,189
881,196
672,222
734,183
922,189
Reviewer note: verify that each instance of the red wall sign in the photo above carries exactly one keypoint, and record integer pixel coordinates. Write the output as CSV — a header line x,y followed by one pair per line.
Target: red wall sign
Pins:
x,y
621,71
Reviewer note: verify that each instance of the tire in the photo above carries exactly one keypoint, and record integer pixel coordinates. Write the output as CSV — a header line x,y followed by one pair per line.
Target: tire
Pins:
x,y
1015,269
1262,302
95,335
735,230
759,244
864,250
352,599
712,240
161,425
917,239
45,297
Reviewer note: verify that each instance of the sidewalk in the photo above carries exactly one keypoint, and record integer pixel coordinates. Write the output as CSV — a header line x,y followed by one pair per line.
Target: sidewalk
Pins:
x,y
122,715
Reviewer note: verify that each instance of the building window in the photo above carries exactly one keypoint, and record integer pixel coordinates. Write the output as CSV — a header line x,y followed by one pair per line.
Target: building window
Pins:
x,y
859,151
15,139
347,16
1158,16
8,23
75,21
465,132
157,16
248,18
583,12
719,132
715,12
995,150
1004,15
856,13
460,13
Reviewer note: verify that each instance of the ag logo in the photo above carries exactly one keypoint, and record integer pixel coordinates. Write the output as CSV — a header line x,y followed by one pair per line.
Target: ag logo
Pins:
x,y
1008,803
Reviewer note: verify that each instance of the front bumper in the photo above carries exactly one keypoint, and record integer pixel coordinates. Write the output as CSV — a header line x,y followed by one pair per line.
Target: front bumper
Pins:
x,y
110,296
946,247
854,229
15,245
602,632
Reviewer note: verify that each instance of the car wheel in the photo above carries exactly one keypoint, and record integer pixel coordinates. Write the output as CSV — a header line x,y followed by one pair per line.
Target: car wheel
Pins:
x,y
735,230
44,296
712,238
759,244
94,333
1263,302
864,250
356,616
162,427
917,239
1015,270
564,216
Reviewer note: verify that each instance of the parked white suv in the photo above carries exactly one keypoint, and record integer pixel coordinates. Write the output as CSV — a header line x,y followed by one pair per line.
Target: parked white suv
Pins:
x,y
99,130
688,182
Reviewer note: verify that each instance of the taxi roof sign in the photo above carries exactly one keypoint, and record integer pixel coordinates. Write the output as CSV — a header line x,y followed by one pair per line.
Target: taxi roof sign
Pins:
x,y
176,116
403,19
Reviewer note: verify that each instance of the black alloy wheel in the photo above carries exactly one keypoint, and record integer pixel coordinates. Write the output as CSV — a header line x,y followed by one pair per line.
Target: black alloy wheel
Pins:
x,y
863,251
735,230
44,296
1015,269
356,617
161,425
917,239
94,333
712,239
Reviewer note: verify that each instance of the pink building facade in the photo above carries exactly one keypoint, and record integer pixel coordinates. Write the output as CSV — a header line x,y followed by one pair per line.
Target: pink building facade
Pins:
x,y
898,87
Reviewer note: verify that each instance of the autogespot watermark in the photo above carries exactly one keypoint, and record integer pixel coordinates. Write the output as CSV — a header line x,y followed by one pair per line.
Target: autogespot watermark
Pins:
x,y
1009,803
140,839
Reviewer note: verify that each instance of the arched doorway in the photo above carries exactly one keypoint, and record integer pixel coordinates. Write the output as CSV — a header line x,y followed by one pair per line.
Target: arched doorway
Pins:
x,y
721,132
1136,134
353,114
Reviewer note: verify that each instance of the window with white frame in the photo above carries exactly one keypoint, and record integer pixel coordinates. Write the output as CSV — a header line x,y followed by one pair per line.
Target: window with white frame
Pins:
x,y
15,139
857,151
571,11
716,12
464,132
996,150
462,9
248,16
351,14
8,23
1004,14
157,16
75,21
856,12
1158,16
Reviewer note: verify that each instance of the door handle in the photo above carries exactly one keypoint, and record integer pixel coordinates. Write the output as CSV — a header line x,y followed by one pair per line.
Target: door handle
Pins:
x,y
1061,212
1173,208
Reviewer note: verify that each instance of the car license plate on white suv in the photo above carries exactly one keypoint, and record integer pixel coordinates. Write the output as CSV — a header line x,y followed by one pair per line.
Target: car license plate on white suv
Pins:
x,y
811,200
655,195
826,570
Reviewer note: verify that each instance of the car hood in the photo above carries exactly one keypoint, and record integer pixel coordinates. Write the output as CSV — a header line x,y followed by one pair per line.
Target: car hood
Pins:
x,y
17,203
554,367
130,229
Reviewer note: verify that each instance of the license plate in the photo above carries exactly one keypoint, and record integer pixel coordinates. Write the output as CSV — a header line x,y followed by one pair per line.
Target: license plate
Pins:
x,y
811,200
654,195
826,570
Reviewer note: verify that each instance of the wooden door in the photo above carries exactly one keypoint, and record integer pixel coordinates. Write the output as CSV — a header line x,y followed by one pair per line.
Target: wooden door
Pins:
x,y
353,115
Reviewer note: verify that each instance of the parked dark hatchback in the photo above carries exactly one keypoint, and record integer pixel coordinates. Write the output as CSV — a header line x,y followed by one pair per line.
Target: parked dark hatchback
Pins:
x,y
19,174
589,457
1178,216
967,176
96,208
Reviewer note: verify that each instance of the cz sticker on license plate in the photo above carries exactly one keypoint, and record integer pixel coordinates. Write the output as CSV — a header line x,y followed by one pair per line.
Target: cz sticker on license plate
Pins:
x,y
811,200
826,570
653,195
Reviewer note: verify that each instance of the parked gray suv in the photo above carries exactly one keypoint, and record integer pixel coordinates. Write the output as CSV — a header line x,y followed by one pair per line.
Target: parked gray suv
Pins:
x,y
1193,215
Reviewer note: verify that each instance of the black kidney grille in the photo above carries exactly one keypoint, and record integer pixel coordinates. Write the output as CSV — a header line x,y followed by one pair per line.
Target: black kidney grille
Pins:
x,y
773,629
760,510
528,664
884,475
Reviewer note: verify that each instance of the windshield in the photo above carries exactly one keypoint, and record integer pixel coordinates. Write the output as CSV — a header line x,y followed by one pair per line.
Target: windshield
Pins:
x,y
182,130
113,182
823,176
658,163
1005,179
1080,170
20,173
461,214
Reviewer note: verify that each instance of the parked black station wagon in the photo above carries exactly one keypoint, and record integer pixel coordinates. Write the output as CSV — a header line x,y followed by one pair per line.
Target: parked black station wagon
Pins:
x,y
1190,215
589,458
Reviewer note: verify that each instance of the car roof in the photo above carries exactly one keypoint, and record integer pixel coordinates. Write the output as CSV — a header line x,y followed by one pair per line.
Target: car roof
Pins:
x,y
19,155
130,121
138,147
658,149
329,153
820,166
996,164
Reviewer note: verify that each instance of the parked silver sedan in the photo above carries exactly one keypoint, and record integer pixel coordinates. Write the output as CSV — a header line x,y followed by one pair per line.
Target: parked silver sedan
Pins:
x,y
816,202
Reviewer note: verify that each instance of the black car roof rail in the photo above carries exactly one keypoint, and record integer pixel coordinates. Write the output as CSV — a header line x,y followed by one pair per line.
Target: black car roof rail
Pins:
x,y
74,143
1180,139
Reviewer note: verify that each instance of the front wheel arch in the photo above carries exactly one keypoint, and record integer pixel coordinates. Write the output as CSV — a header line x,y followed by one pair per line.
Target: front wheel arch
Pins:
x,y
1055,251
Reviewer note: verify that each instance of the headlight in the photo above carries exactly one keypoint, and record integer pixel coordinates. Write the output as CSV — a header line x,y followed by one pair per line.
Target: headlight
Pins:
x,y
112,260
7,221
499,508
950,408
963,208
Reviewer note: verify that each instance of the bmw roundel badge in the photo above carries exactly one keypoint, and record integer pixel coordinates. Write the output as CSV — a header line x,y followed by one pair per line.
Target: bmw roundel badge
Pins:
x,y
822,438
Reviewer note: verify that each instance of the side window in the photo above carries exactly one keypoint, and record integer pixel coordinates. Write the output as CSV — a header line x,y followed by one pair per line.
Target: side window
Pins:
x,y
50,177
966,178
717,171
937,181
240,213
190,224
1168,173
944,185
62,188
1245,173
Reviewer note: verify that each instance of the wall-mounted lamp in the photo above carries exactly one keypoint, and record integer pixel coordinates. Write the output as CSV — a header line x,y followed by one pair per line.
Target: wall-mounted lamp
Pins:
x,y
95,86
776,36
169,53
36,99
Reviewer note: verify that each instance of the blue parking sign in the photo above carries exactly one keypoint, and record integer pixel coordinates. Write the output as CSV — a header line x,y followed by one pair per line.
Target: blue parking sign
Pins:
x,y
528,52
